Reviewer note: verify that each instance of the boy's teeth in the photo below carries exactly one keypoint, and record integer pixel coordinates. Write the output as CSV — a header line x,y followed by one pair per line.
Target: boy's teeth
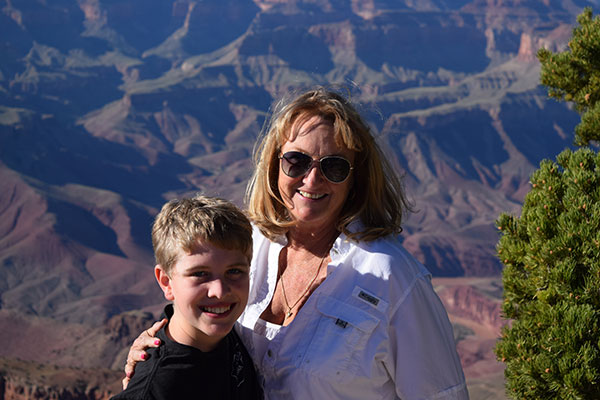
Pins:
x,y
216,310
311,195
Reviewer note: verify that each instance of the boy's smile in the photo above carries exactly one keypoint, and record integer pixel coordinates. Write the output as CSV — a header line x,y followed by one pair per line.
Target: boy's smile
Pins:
x,y
217,310
209,289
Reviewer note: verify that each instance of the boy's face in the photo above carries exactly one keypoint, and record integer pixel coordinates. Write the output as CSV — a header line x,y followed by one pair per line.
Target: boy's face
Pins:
x,y
209,289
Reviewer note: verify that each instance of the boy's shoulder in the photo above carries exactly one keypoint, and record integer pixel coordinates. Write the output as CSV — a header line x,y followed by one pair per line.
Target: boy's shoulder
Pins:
x,y
140,386
183,372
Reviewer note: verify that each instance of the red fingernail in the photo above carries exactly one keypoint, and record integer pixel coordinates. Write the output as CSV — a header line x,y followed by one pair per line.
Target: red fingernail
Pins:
x,y
128,374
157,342
143,356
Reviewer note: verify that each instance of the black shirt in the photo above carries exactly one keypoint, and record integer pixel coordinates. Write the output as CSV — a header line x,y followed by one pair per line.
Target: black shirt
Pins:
x,y
176,371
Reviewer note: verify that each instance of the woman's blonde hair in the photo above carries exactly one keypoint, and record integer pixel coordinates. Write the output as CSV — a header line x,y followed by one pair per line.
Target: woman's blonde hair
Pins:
x,y
376,197
182,224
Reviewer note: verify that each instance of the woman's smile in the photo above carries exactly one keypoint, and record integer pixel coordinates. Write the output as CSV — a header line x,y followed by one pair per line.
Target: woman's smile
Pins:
x,y
312,196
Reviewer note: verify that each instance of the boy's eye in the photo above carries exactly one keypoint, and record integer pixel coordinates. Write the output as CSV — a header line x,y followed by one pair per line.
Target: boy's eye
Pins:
x,y
237,272
199,274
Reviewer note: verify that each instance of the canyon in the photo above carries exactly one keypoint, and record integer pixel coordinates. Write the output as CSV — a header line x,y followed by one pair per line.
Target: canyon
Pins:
x,y
108,109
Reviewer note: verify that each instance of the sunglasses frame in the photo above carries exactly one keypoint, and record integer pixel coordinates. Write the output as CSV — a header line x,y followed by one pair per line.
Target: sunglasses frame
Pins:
x,y
312,162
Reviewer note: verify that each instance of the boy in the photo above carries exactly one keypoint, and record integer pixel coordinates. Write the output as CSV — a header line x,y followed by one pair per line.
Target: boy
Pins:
x,y
203,248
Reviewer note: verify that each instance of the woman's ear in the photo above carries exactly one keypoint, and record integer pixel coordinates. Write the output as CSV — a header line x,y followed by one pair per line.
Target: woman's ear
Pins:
x,y
164,281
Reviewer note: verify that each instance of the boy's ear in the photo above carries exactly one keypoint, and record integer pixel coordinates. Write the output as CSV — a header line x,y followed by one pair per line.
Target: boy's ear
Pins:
x,y
164,282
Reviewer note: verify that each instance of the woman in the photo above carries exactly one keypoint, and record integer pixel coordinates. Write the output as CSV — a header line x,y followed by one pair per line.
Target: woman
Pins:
x,y
337,307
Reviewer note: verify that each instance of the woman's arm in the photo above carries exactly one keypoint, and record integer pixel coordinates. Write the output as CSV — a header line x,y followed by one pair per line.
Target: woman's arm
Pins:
x,y
426,364
137,351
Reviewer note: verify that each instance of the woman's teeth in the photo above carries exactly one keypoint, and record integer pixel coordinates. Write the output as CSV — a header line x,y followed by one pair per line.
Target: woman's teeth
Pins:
x,y
311,195
216,310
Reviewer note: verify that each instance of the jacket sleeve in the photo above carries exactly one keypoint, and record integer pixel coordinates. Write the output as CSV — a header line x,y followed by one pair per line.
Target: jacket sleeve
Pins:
x,y
140,384
425,364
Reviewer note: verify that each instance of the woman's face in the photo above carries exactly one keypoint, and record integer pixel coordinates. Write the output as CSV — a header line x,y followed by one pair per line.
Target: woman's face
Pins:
x,y
313,201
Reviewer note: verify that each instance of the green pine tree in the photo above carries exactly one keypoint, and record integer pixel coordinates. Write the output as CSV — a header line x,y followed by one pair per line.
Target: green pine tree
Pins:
x,y
574,75
552,283
551,253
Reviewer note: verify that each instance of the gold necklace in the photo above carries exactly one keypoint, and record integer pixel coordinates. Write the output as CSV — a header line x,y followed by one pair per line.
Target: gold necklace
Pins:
x,y
289,312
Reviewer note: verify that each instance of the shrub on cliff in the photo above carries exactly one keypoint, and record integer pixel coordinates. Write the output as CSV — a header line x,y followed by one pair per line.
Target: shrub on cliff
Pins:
x,y
551,252
552,283
574,75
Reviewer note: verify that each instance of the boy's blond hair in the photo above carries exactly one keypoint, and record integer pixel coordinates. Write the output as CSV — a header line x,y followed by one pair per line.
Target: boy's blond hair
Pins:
x,y
183,223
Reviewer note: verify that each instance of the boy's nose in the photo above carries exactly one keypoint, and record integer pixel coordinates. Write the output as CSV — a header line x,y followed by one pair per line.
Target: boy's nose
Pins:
x,y
217,288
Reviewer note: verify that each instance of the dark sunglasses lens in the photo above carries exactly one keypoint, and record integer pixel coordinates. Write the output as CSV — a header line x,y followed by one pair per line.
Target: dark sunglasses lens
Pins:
x,y
336,169
295,164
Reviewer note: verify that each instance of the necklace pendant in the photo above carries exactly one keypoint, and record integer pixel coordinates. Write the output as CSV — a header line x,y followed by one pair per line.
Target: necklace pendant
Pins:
x,y
288,314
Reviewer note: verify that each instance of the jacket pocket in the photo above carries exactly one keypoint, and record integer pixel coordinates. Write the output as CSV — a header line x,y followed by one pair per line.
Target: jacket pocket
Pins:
x,y
342,331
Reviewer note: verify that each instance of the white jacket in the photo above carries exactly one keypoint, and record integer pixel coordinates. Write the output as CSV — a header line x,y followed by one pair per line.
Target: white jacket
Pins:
x,y
374,329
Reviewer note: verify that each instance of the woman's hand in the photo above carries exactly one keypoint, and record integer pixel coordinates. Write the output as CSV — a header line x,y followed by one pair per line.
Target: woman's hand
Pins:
x,y
137,351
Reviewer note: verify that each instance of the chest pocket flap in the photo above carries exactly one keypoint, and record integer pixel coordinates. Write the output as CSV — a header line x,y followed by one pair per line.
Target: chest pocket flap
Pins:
x,y
342,313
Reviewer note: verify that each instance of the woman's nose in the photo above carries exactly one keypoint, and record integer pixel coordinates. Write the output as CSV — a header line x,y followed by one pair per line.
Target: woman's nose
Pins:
x,y
313,174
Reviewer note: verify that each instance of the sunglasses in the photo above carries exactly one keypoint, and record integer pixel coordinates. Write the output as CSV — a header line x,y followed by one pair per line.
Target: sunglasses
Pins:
x,y
335,169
